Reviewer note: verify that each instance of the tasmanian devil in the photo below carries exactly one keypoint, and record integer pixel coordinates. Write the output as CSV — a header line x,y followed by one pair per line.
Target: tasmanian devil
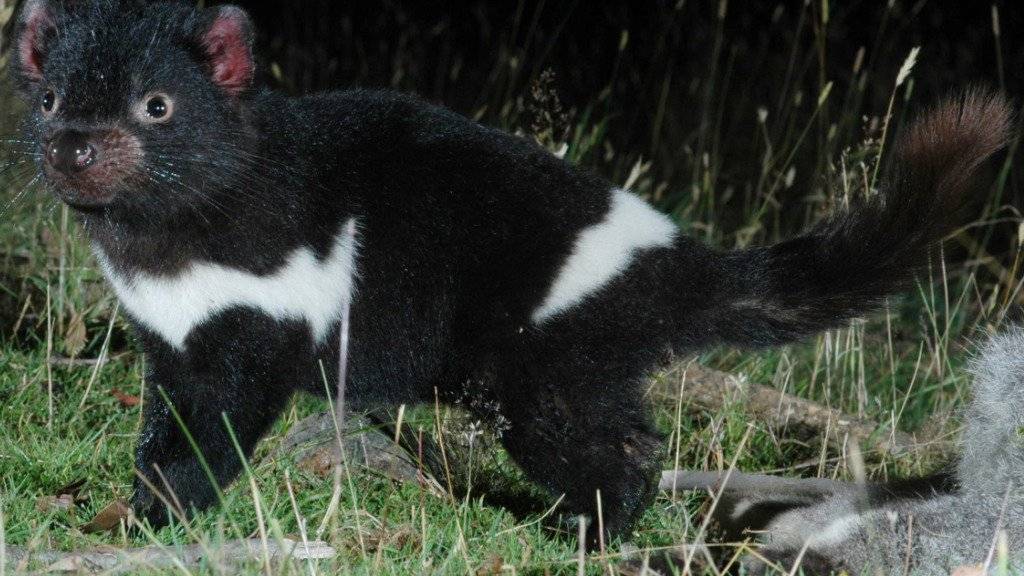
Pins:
x,y
482,267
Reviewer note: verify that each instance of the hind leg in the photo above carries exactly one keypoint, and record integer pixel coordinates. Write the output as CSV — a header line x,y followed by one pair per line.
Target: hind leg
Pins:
x,y
583,438
571,386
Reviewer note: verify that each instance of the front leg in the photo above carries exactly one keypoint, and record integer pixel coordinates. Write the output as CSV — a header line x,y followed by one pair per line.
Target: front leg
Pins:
x,y
244,367
169,462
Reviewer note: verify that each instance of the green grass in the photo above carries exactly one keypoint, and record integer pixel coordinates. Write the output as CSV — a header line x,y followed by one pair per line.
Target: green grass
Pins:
x,y
381,527
62,424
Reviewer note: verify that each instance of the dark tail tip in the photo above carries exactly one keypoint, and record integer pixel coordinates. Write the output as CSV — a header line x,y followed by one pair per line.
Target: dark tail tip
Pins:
x,y
943,155
965,129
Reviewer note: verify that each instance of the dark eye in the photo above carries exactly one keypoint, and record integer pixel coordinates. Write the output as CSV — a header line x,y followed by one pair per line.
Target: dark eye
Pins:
x,y
156,107
49,101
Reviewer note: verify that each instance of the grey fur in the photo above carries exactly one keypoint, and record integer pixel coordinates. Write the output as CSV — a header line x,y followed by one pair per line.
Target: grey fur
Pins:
x,y
932,535
993,444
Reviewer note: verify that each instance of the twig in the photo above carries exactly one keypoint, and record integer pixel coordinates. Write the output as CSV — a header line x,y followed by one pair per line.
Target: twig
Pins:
x,y
709,389
112,560
66,362
687,480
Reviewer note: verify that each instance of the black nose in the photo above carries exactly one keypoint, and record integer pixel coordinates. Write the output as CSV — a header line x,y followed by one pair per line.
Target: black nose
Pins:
x,y
70,152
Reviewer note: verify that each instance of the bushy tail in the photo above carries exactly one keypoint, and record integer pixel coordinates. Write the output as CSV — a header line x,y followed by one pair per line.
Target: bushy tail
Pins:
x,y
993,442
847,264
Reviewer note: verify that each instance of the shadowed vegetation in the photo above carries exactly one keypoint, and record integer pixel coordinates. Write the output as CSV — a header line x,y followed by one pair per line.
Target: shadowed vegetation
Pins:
x,y
745,121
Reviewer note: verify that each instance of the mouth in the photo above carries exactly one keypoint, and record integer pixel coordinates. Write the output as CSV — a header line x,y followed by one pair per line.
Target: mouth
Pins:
x,y
80,193
85,204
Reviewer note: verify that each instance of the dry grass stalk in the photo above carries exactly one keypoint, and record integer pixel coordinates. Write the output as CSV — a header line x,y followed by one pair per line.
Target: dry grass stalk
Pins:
x,y
713,390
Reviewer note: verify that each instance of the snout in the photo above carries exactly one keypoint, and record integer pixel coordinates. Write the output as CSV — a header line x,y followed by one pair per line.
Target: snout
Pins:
x,y
88,168
71,152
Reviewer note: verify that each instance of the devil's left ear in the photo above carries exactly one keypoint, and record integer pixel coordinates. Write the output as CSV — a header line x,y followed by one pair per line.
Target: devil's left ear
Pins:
x,y
33,33
226,38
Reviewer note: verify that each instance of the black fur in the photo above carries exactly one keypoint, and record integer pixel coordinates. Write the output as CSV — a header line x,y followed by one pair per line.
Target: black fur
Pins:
x,y
462,230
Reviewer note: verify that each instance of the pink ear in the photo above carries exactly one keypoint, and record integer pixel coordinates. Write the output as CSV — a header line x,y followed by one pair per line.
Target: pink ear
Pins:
x,y
227,42
36,24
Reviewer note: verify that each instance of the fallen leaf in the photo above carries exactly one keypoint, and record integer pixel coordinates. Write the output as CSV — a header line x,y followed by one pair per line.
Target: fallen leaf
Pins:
x,y
73,489
108,518
49,503
64,498
126,400
75,335
320,462
398,538
493,566
50,241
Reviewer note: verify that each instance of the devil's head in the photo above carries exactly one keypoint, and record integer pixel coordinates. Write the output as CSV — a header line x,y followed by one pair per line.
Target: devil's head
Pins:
x,y
137,109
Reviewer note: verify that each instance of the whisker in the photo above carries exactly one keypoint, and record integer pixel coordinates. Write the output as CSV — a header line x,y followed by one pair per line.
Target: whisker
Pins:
x,y
232,185
177,182
17,196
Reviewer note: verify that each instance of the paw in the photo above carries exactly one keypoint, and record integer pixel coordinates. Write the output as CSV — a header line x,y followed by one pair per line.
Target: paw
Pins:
x,y
152,507
148,508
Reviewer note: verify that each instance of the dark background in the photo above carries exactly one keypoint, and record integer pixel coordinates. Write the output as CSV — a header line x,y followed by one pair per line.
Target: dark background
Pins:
x,y
686,83
682,92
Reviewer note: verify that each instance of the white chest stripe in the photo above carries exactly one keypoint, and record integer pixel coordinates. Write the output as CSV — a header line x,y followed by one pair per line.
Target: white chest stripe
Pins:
x,y
605,250
303,288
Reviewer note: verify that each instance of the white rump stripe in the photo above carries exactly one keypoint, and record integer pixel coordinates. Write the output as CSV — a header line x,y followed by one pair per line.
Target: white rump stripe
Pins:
x,y
302,289
605,250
